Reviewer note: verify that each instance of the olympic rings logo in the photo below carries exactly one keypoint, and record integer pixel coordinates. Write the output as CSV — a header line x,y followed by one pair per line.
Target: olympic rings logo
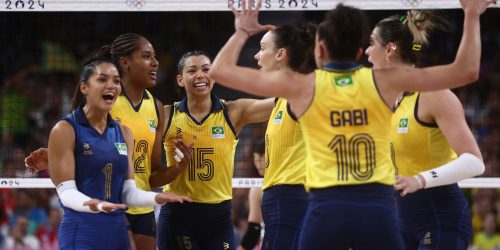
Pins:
x,y
137,4
412,3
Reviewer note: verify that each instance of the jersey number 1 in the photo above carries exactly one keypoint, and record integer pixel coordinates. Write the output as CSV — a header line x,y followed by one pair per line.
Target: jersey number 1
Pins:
x,y
107,171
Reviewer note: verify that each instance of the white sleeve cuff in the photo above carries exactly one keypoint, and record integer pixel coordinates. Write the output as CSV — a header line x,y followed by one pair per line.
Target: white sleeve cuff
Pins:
x,y
72,198
465,166
133,196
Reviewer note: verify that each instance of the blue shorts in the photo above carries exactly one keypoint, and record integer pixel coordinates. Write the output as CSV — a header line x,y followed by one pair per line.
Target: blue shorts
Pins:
x,y
355,216
93,231
435,218
283,210
196,226
144,224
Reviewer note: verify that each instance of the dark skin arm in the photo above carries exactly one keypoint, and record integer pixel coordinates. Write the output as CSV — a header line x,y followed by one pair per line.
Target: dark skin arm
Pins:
x,y
159,175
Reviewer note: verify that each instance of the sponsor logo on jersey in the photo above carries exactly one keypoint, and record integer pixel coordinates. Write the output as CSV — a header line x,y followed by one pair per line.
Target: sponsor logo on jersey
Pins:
x,y
403,126
218,132
427,238
86,149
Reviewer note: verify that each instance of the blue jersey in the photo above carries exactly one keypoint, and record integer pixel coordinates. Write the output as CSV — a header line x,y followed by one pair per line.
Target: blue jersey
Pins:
x,y
101,167
101,162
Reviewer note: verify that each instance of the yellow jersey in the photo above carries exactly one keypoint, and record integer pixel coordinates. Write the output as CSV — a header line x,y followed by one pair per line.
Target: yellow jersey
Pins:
x,y
285,157
346,129
417,146
208,179
142,120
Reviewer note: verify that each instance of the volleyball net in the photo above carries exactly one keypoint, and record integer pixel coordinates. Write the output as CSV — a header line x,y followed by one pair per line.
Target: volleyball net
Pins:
x,y
237,183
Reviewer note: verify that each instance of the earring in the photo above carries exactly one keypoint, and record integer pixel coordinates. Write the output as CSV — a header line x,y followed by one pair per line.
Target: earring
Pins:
x,y
126,69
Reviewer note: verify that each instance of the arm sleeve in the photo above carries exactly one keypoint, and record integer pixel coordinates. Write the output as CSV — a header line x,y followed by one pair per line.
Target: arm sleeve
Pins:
x,y
72,198
465,166
133,196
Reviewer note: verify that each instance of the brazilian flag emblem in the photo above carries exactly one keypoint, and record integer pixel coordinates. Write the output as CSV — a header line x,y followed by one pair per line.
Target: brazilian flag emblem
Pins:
x,y
121,147
218,132
278,118
403,125
152,123
343,81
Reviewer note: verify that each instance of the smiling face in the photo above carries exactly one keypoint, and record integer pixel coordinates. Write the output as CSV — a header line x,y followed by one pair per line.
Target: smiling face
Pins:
x,y
194,77
267,55
141,66
102,87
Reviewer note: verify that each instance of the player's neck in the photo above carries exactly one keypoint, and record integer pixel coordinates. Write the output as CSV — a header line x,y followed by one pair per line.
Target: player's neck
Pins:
x,y
133,91
199,107
96,118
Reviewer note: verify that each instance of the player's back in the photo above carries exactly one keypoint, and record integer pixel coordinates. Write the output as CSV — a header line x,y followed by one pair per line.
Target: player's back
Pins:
x,y
346,129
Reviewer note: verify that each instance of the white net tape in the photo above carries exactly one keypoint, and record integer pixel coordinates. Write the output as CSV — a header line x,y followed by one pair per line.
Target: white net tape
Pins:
x,y
215,5
237,183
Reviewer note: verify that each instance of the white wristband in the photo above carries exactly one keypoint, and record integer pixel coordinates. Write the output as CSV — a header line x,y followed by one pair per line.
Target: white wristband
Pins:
x,y
465,166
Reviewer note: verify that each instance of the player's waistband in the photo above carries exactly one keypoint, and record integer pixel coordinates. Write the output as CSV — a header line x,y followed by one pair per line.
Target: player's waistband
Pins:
x,y
364,192
284,191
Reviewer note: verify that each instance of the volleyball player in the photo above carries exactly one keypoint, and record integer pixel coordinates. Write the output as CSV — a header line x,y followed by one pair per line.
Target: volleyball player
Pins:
x,y
285,200
213,126
252,236
90,158
426,141
344,110
144,115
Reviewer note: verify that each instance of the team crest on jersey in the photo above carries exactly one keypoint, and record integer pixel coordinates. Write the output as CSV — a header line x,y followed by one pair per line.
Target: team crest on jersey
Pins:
x,y
117,120
121,147
278,118
343,81
152,125
403,126
86,149
218,132
226,245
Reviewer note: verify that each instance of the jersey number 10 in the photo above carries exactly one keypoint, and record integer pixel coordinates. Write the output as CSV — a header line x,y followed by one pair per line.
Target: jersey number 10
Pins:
x,y
349,156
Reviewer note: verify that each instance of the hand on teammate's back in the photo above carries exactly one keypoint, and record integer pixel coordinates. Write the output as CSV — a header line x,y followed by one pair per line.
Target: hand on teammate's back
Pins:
x,y
407,185
37,160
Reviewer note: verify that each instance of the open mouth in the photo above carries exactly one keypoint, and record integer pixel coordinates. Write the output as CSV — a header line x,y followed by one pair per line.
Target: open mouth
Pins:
x,y
108,96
